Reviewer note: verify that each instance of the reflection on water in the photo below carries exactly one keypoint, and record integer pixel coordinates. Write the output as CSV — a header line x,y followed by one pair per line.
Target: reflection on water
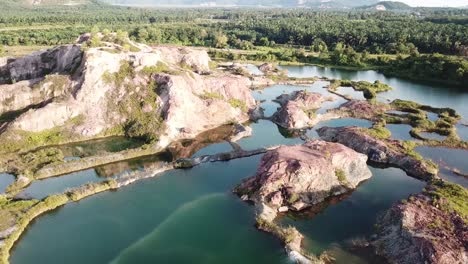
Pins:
x,y
400,131
434,136
355,216
436,95
98,146
448,159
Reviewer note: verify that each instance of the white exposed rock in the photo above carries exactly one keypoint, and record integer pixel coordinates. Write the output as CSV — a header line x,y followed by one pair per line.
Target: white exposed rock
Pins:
x,y
181,104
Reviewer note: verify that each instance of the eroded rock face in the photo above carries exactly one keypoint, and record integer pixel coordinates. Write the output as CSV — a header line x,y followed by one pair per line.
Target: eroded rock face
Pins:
x,y
385,152
297,110
89,97
61,59
419,232
303,175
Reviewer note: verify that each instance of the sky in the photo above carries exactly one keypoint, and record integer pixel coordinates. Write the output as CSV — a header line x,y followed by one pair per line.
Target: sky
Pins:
x,y
452,3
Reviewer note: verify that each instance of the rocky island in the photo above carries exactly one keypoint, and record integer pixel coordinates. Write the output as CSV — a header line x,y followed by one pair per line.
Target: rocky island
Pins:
x,y
298,177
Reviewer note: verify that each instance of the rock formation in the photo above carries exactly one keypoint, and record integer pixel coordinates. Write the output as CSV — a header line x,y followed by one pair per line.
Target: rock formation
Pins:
x,y
424,230
86,94
384,152
297,110
300,176
363,109
61,60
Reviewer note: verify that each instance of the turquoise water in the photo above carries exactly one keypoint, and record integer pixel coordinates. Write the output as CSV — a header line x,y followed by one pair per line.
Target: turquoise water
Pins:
x,y
191,216
42,188
354,217
184,216
213,149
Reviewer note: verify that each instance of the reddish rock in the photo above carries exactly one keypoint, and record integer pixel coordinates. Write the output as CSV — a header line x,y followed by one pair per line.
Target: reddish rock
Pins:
x,y
419,232
363,109
297,110
384,152
304,175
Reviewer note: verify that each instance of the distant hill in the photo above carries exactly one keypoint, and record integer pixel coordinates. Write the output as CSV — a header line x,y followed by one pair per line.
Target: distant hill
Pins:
x,y
268,3
388,5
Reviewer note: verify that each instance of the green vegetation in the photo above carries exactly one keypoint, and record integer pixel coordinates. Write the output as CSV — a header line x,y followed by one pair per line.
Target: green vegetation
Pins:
x,y
117,78
369,90
417,118
341,175
285,234
138,107
391,42
238,104
450,197
88,189
31,162
212,95
160,67
293,198
379,131
23,213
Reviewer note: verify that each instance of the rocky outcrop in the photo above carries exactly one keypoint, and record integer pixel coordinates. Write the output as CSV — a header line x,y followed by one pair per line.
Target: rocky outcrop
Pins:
x,y
61,59
297,177
421,231
363,109
298,110
383,152
240,132
111,89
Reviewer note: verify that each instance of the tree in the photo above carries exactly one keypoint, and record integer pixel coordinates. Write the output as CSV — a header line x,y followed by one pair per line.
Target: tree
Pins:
x,y
264,42
142,35
318,45
221,40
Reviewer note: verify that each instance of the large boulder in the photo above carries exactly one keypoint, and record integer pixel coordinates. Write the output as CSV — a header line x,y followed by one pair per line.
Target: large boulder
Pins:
x,y
303,175
384,152
298,110
422,230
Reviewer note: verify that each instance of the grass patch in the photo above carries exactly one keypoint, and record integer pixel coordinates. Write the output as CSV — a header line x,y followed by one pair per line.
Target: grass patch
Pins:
x,y
160,67
211,95
341,175
379,131
286,235
369,90
238,104
450,197
88,189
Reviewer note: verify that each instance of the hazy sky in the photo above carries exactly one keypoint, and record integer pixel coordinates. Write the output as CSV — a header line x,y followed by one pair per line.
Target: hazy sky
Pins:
x,y
435,2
